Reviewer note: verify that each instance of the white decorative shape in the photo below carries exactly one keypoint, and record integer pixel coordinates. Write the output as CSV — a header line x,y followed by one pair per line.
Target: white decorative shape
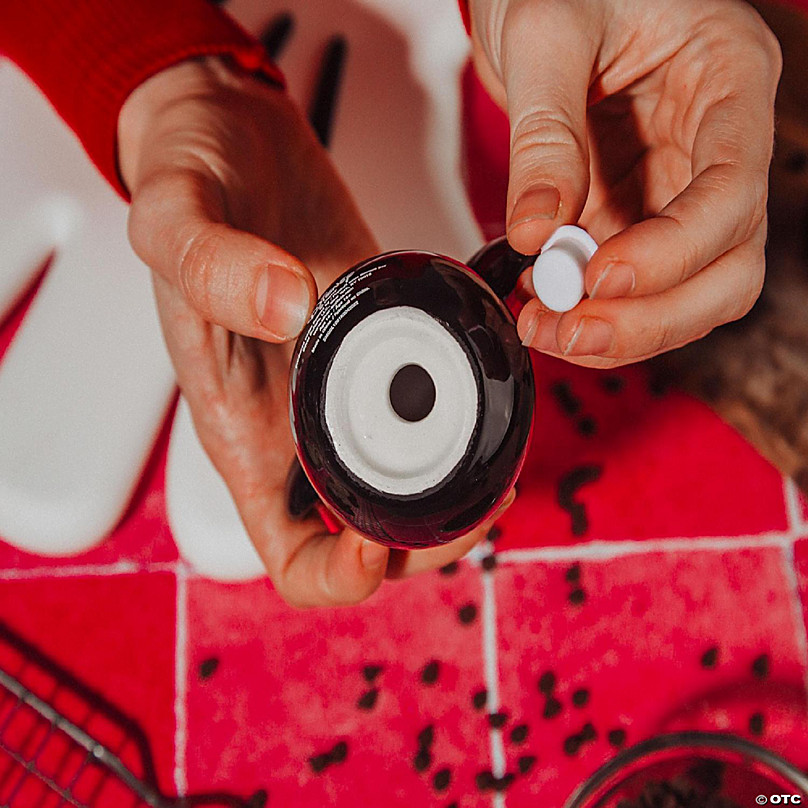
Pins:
x,y
85,385
204,520
558,274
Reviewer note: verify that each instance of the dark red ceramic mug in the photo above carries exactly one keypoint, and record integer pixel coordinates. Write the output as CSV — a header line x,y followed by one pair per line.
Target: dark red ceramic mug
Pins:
x,y
411,396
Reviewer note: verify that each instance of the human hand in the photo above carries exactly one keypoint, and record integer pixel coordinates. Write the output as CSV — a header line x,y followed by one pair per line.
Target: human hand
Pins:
x,y
242,218
652,125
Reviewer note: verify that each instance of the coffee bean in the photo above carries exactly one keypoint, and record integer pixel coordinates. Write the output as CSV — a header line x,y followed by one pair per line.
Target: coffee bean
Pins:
x,y
526,763
497,720
577,597
572,745
494,533
489,562
370,672
479,699
587,426
467,614
552,707
319,762
761,666
258,799
485,781
430,672
547,683
208,667
422,761
426,737
449,569
612,384
565,398
339,752
367,701
580,698
757,724
519,733
442,779
588,733
617,738
573,574
709,659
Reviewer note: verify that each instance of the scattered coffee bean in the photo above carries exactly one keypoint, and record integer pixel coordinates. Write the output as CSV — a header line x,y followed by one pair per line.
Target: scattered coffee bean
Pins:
x,y
319,762
580,698
613,384
430,672
617,738
577,597
547,683
761,666
336,754
572,745
519,733
208,667
367,701
757,724
422,761
526,763
494,533
588,733
259,799
426,737
497,720
485,781
467,614
449,569
566,399
489,562
587,426
568,487
479,699
709,659
573,574
552,707
442,779
370,672
339,752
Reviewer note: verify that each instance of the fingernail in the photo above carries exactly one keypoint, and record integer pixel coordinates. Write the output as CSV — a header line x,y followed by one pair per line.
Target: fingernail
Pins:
x,y
530,330
537,202
282,302
545,337
592,337
617,280
372,554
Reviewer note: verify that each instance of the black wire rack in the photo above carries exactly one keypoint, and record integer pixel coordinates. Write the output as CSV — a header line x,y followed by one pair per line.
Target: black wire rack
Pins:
x,y
61,744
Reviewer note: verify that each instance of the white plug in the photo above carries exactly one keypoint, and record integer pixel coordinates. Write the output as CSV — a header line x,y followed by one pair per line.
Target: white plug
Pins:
x,y
558,274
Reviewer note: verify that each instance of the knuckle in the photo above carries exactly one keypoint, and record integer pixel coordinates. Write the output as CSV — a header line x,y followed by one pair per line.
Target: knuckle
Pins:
x,y
658,338
198,264
545,129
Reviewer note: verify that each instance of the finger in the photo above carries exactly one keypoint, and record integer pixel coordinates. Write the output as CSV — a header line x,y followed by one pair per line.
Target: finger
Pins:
x,y
324,570
606,333
546,91
232,278
408,563
722,207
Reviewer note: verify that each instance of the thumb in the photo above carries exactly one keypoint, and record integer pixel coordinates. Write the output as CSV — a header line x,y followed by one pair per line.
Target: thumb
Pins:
x,y
229,277
546,84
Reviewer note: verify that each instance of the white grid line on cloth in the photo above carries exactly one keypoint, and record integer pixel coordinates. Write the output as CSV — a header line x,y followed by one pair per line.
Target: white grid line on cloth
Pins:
x,y
796,521
607,550
86,570
181,683
796,526
491,673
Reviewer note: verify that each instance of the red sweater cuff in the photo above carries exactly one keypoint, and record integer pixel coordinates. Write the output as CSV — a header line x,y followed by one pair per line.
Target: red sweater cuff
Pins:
x,y
465,14
87,56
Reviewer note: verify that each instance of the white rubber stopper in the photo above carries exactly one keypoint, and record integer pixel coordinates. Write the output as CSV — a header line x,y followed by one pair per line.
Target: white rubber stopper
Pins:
x,y
558,274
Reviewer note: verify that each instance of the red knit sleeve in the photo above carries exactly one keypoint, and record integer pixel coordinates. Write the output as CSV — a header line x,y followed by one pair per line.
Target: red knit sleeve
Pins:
x,y
465,14
88,55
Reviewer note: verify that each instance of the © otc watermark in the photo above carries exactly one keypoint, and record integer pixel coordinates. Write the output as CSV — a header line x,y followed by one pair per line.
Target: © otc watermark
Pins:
x,y
779,799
